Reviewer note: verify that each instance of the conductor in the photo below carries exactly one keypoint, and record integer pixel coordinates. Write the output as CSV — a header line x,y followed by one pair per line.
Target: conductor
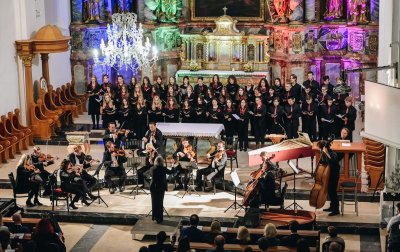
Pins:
x,y
158,186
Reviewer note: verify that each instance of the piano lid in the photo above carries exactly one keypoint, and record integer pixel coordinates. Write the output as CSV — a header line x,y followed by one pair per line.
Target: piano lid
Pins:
x,y
285,150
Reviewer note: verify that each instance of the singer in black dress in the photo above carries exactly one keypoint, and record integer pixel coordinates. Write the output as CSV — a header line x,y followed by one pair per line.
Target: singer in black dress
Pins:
x,y
140,118
93,90
243,125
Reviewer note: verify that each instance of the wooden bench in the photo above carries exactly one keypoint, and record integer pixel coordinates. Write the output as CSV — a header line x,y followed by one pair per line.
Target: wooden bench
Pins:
x,y
43,127
238,247
65,100
82,97
22,137
64,114
18,125
31,222
12,140
80,102
59,102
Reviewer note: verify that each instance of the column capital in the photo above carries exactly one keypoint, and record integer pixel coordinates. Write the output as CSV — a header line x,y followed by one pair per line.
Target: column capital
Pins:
x,y
44,56
27,60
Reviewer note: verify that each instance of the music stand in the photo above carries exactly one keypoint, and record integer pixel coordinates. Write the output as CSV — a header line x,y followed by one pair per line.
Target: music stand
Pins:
x,y
295,171
137,161
191,187
236,182
96,173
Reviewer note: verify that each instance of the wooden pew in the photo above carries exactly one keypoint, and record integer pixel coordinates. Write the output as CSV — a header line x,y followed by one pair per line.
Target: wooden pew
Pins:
x,y
8,150
22,137
59,102
79,102
48,113
25,221
15,147
239,247
64,99
64,114
18,125
43,127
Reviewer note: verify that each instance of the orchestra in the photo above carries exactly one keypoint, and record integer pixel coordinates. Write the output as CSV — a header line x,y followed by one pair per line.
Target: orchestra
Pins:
x,y
114,159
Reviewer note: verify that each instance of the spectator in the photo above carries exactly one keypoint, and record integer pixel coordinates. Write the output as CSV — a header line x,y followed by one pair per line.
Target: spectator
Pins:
x,y
291,240
333,237
263,244
144,249
394,231
270,234
215,230
160,246
334,247
29,246
219,243
302,245
45,236
17,227
192,232
247,249
243,236
183,244
5,239
2,227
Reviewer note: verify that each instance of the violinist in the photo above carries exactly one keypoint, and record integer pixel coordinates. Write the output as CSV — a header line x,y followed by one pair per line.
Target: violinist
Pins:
x,y
79,159
26,181
268,185
114,160
72,182
115,136
155,137
184,153
144,172
243,125
217,165
40,161
171,110
328,156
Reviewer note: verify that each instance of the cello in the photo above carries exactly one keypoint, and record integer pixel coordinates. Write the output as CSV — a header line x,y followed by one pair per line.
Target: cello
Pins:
x,y
319,192
253,186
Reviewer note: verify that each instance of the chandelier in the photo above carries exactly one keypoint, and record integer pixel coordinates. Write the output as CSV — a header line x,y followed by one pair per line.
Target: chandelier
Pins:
x,y
125,47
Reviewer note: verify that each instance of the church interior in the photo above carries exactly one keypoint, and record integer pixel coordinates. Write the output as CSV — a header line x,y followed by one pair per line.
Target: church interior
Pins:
x,y
199,125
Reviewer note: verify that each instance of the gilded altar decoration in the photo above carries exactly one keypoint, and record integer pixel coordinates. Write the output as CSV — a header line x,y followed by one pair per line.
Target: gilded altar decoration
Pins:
x,y
297,44
296,11
357,41
248,67
334,9
358,11
194,66
165,11
373,43
281,9
278,41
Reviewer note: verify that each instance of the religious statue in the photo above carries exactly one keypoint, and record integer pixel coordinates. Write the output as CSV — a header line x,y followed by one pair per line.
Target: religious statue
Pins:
x,y
166,11
182,53
281,7
334,9
91,11
296,11
358,11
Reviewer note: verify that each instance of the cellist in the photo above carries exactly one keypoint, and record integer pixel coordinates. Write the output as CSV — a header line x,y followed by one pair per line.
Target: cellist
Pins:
x,y
329,157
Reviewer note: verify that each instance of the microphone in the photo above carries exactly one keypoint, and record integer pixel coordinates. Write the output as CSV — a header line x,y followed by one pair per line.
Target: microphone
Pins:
x,y
284,131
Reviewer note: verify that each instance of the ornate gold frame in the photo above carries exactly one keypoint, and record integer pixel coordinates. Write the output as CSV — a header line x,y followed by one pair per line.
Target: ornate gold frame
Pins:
x,y
261,17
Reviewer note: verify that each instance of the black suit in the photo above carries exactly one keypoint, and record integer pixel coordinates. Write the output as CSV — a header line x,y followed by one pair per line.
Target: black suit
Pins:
x,y
333,178
314,85
117,170
290,240
292,123
109,137
296,91
159,141
193,233
351,115
89,179
161,248
19,229
158,186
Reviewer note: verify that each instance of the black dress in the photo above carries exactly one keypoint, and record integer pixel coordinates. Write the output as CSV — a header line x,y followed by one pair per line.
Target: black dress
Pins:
x,y
94,100
200,114
187,115
171,115
229,123
259,114
140,121
155,115
125,118
158,186
243,127
214,115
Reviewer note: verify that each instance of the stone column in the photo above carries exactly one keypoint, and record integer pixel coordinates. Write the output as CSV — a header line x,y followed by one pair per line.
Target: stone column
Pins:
x,y
45,67
27,61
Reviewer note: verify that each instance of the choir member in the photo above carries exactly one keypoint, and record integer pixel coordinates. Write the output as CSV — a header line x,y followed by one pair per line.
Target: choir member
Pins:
x,y
26,182
172,93
292,114
223,96
155,111
259,112
306,94
160,86
240,95
296,89
339,99
232,86
249,90
269,99
125,115
123,94
106,82
190,96
118,89
286,94
243,125
146,89
72,182
348,117
278,87
137,92
140,115
155,92
263,88
132,84
308,117
313,84
209,97
214,112
216,85
275,112
322,97
171,110
108,110
328,113
93,90
217,165
187,112
326,81
183,87
172,83
200,89
114,161
229,121
201,111
155,137
114,136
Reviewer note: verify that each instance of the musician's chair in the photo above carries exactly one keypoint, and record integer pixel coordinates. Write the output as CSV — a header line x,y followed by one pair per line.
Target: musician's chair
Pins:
x,y
57,193
349,185
16,192
231,152
218,178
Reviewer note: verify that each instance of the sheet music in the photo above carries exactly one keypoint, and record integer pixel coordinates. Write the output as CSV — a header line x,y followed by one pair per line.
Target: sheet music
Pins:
x,y
346,144
224,229
235,178
293,166
326,120
236,116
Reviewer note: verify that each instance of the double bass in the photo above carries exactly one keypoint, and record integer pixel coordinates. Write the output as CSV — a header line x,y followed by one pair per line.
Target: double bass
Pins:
x,y
319,192
253,186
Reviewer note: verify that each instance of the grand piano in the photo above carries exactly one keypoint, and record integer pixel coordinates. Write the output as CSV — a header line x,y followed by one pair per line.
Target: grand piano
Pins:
x,y
289,149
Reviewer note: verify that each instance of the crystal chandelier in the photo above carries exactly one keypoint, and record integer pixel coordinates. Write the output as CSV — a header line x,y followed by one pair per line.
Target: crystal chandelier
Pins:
x,y
125,47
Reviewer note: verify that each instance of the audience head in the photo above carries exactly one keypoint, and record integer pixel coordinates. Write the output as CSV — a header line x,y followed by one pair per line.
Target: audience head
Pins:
x,y
183,244
243,234
247,249
270,231
194,220
302,245
294,226
29,246
144,249
263,244
159,161
215,227
4,239
17,218
344,133
219,241
332,231
334,247
44,227
161,237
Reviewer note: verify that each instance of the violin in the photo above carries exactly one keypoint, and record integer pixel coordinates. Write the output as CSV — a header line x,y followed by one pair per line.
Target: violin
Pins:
x,y
89,158
189,152
119,152
45,158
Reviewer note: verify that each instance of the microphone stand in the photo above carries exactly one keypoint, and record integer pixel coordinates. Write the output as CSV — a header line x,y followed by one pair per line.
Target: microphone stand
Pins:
x,y
98,185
